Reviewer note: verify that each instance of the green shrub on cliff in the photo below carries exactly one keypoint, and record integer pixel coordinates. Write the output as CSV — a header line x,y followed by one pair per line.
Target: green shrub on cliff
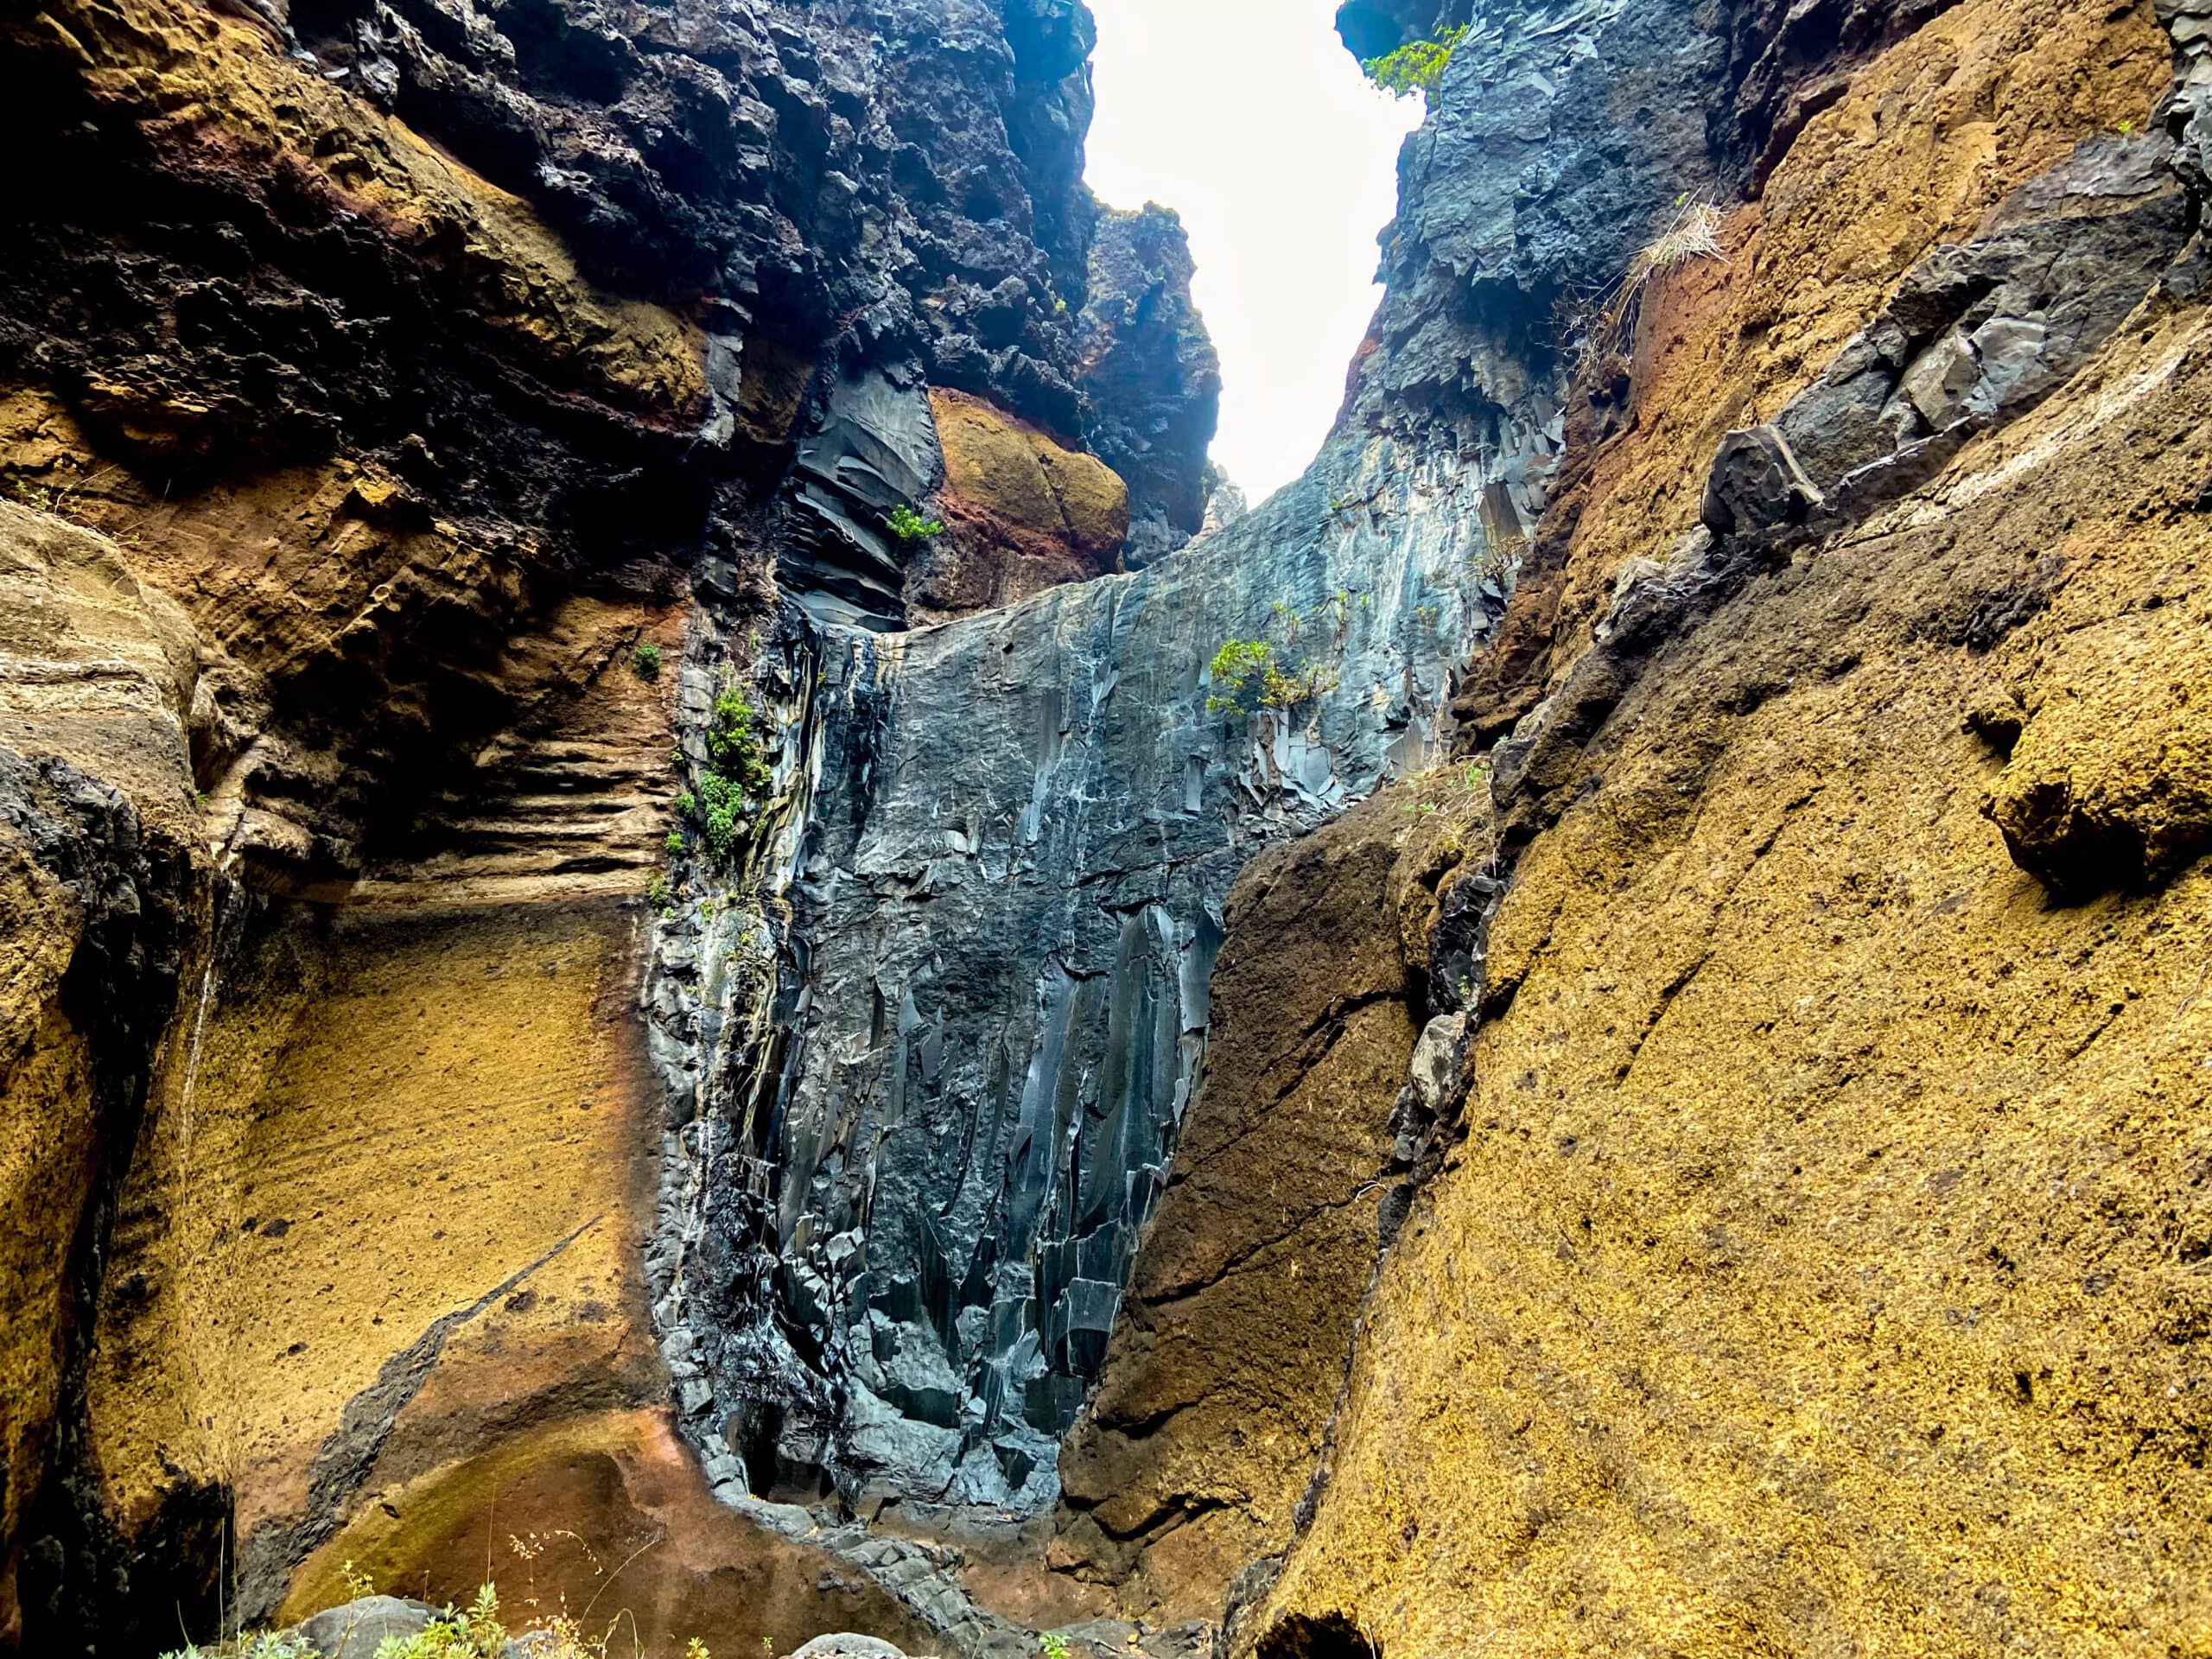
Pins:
x,y
1417,66
1247,677
737,773
734,742
908,525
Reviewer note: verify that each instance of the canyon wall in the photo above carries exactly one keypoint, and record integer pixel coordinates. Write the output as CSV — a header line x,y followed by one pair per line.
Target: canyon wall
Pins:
x,y
665,934
1781,1230
405,409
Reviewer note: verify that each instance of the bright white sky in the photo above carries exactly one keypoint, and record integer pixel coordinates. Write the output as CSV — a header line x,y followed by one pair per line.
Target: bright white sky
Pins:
x,y
1251,119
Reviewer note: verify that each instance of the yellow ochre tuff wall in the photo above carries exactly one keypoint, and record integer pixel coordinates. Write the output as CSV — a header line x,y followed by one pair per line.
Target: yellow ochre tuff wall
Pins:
x,y
1823,1267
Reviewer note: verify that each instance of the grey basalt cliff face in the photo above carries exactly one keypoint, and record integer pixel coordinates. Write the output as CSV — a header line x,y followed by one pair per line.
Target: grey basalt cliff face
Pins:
x,y
1151,376
926,1098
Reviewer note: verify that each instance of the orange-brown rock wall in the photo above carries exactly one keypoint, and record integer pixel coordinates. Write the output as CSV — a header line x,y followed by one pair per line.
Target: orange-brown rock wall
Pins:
x,y
1813,1273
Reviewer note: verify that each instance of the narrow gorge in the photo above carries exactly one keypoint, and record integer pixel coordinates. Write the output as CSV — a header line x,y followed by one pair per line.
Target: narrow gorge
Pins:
x,y
692,920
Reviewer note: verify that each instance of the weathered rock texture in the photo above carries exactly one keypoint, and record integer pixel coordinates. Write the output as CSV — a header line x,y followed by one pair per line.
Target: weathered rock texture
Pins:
x,y
1226,1366
1705,1160
906,1220
451,385
1806,1268
1022,513
1003,884
1151,375
96,672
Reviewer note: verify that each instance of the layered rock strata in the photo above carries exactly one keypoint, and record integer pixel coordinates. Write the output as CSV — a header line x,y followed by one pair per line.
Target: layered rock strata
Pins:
x,y
447,383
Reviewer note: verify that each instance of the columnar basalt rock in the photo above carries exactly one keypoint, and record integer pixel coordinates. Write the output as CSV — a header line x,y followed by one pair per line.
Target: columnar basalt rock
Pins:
x,y
1006,893
1005,901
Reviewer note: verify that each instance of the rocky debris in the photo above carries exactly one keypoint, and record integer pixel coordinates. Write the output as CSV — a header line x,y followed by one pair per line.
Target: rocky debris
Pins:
x,y
1151,378
354,1630
922,1577
1116,1638
844,1645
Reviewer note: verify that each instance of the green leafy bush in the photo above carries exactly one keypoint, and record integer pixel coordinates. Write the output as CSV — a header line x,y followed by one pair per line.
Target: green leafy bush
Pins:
x,y
724,802
910,526
1417,66
268,1644
475,1632
734,742
1246,676
646,660
736,777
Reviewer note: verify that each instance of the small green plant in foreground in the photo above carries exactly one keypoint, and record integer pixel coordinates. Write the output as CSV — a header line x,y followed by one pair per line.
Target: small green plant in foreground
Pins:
x,y
270,1644
646,660
1055,1645
474,1632
1246,676
910,526
1417,66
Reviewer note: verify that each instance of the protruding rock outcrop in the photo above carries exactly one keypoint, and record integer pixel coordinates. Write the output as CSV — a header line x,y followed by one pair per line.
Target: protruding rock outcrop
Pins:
x,y
1151,376
1022,513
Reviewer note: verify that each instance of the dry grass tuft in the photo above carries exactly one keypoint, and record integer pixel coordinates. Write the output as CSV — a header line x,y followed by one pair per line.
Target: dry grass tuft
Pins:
x,y
1599,325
